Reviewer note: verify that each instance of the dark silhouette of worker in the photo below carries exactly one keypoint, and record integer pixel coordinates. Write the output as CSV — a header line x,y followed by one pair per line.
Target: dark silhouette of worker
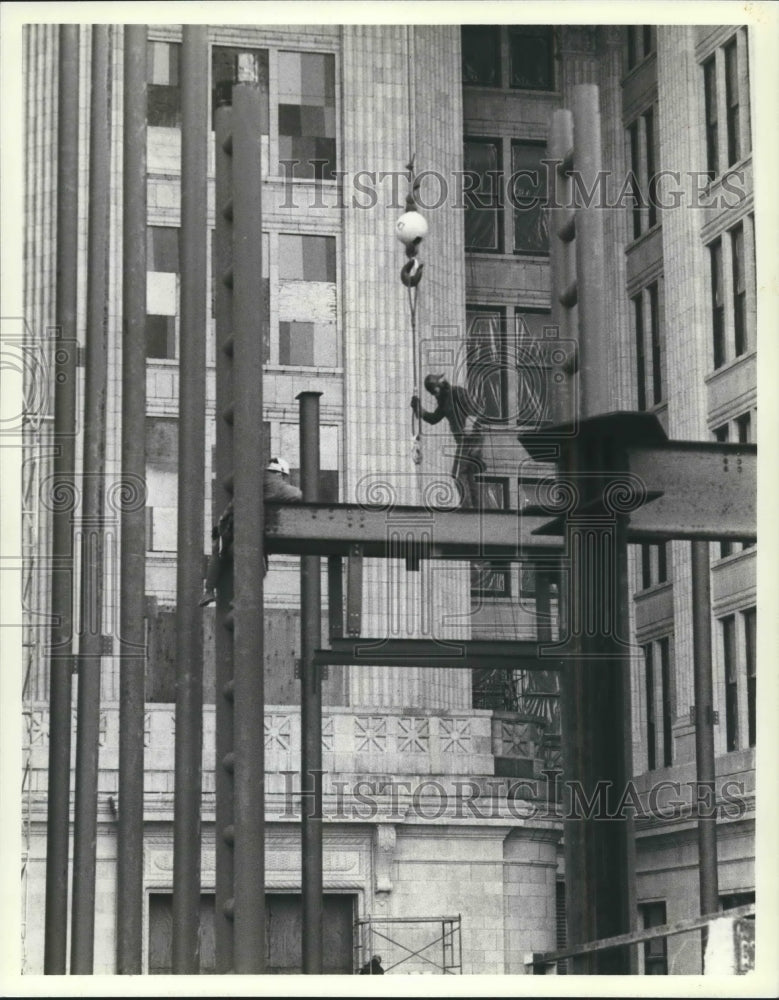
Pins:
x,y
372,968
276,487
456,405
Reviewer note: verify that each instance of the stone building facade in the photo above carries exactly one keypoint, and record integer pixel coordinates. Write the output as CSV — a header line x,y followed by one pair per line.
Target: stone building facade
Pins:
x,y
422,821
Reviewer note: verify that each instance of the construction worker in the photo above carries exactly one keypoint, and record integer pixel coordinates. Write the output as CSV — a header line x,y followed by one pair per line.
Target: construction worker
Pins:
x,y
456,405
276,487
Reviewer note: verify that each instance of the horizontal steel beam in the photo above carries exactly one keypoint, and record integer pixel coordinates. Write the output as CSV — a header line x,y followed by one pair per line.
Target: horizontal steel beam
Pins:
x,y
471,654
403,532
709,491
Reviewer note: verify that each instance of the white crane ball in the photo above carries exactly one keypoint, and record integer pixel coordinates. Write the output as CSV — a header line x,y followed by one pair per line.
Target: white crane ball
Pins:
x,y
411,226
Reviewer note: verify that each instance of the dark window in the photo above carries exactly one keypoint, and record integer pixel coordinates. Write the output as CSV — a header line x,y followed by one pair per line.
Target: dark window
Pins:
x,y
744,428
528,195
665,680
651,724
492,577
228,66
531,50
658,345
662,562
487,370
161,337
638,313
735,899
717,304
728,626
641,43
635,169
481,55
732,102
750,641
537,367
646,565
712,128
163,95
739,289
483,218
162,249
651,164
306,113
655,954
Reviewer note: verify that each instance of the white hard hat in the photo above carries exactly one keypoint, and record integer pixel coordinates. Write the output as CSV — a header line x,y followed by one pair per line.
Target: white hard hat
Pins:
x,y
278,465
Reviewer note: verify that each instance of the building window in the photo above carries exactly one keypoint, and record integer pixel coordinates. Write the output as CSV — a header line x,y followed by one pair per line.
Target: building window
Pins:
x,y
739,289
654,564
163,94
161,484
528,197
306,111
726,100
651,376
531,53
641,42
717,304
483,217
728,629
732,102
655,953
537,368
659,702
750,648
162,291
481,62
712,121
307,300
228,66
486,359
733,900
492,577
642,142
738,634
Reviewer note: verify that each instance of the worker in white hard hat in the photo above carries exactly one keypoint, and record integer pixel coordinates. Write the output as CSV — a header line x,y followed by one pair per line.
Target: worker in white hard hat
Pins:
x,y
276,487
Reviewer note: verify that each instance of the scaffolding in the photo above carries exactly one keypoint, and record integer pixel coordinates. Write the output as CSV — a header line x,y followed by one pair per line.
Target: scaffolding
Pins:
x,y
384,936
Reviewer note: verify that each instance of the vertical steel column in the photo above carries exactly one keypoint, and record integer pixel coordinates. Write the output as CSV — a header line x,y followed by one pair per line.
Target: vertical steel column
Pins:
x,y
189,574
704,727
310,701
132,637
594,340
63,489
92,524
222,494
596,681
249,102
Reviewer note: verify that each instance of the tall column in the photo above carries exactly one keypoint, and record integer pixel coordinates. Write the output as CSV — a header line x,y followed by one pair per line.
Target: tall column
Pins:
x,y
405,98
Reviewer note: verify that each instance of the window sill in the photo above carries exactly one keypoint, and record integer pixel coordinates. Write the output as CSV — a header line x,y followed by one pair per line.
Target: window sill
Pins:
x,y
643,237
727,366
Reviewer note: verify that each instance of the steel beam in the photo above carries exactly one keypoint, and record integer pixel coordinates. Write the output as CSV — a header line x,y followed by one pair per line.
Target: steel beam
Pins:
x,y
63,488
709,491
704,728
470,654
82,942
191,501
333,529
221,496
310,702
249,103
132,663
